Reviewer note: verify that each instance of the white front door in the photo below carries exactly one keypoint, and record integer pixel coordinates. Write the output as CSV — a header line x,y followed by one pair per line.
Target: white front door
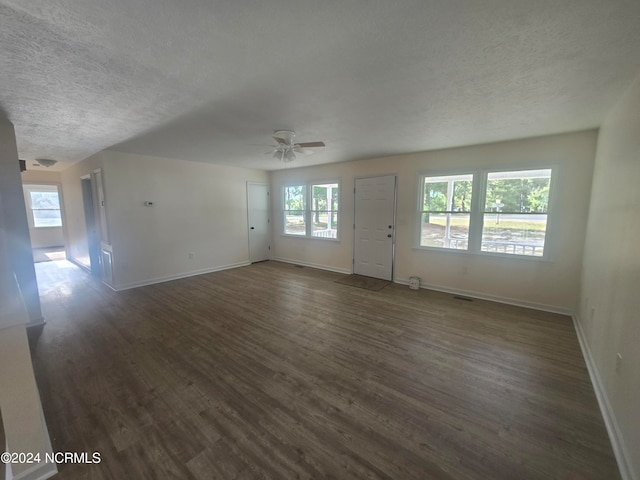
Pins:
x,y
374,226
258,218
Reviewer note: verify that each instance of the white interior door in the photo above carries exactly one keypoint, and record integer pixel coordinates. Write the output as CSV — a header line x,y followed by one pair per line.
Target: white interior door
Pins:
x,y
258,217
374,226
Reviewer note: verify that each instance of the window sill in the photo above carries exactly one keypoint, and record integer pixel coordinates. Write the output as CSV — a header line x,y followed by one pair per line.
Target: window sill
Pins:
x,y
305,237
509,256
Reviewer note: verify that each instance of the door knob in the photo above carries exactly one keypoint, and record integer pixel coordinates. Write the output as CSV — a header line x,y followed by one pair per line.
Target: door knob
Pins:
x,y
389,235
253,228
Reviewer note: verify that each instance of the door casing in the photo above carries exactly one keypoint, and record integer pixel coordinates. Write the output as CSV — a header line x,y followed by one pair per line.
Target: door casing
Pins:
x,y
258,221
391,220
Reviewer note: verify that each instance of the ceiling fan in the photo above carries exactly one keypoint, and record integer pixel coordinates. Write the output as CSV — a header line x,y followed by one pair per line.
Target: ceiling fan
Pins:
x,y
285,150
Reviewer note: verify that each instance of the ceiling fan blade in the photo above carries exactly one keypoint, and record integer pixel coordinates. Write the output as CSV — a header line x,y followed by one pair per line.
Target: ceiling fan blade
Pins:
x,y
310,144
304,151
281,141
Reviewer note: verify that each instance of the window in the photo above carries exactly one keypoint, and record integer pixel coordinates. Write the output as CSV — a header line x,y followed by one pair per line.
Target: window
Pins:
x,y
324,210
311,210
510,216
446,208
44,203
515,212
294,210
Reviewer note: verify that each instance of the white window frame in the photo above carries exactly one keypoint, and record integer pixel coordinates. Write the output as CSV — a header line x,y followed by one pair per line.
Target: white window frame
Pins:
x,y
41,187
477,213
308,210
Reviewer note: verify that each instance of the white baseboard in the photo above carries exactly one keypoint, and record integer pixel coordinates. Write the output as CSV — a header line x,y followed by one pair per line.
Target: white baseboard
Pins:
x,y
39,322
615,436
493,298
152,281
312,265
88,270
39,471
78,264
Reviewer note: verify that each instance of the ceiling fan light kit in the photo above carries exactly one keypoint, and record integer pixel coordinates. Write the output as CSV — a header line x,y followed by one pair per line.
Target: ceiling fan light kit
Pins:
x,y
46,162
285,150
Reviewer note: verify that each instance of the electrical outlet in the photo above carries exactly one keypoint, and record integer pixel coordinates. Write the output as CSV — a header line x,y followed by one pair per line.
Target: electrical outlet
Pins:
x,y
618,362
192,255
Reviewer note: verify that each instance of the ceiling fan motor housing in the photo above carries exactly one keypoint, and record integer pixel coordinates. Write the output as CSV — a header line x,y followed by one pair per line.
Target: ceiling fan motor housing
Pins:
x,y
286,135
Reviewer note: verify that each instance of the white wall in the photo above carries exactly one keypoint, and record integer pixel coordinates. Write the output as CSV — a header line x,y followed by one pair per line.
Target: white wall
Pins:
x,y
15,223
545,284
24,424
77,245
41,176
611,272
46,237
21,412
197,208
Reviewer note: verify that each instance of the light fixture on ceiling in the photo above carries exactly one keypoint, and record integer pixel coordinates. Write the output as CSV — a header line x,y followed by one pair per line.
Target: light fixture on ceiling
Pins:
x,y
285,150
289,156
46,162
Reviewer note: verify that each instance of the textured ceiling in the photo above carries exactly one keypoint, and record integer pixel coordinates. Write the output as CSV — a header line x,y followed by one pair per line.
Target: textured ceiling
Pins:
x,y
211,80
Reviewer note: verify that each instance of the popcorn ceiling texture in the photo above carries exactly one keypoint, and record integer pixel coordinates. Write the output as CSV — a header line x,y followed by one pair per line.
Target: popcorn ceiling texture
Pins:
x,y
207,81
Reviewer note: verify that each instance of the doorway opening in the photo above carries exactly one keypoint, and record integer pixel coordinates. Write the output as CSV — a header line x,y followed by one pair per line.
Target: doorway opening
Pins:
x,y
92,259
46,221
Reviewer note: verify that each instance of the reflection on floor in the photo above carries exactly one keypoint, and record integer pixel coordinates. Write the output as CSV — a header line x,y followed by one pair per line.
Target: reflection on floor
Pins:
x,y
58,279
49,254
273,371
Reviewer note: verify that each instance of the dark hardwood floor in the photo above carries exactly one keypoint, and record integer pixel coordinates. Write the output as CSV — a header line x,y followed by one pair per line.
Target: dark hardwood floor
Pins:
x,y
274,371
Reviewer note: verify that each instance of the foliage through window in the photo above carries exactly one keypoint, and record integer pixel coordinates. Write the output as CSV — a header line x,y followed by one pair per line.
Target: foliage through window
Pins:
x,y
44,204
515,212
311,210
446,205
294,210
510,216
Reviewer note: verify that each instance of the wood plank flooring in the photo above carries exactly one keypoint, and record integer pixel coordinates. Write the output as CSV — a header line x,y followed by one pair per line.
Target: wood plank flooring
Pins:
x,y
274,371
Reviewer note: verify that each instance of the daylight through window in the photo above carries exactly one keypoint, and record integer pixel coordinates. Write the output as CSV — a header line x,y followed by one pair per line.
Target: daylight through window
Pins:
x,y
446,208
44,204
510,216
515,212
294,210
311,210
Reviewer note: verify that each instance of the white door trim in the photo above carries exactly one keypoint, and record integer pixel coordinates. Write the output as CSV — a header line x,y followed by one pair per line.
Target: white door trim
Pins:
x,y
355,206
268,188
